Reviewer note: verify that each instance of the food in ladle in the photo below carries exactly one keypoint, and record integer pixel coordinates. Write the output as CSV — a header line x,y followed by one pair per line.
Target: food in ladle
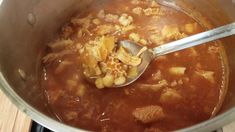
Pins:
x,y
176,91
107,63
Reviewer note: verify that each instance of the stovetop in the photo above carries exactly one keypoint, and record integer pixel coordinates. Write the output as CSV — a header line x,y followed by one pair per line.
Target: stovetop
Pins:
x,y
38,128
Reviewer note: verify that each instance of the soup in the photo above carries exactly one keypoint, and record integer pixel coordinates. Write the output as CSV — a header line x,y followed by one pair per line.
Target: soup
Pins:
x,y
177,90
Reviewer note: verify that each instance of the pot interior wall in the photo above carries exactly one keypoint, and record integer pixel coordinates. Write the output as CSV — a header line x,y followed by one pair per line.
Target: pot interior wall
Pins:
x,y
27,25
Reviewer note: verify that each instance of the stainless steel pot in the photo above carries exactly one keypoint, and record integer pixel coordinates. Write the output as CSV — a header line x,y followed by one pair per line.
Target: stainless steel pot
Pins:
x,y
27,25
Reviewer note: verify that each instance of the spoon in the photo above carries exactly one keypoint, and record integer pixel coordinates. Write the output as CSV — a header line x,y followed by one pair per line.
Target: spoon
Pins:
x,y
194,40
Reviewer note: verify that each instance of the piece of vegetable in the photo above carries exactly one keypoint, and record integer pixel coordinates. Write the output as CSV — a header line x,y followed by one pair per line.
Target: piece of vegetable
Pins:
x,y
177,70
135,37
170,96
108,80
132,72
120,80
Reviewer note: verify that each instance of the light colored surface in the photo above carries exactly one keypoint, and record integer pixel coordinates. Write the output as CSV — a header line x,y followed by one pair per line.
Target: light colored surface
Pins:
x,y
11,119
229,128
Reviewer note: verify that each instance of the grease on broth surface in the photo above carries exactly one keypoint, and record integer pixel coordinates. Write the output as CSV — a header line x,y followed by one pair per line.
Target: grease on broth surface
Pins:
x,y
177,90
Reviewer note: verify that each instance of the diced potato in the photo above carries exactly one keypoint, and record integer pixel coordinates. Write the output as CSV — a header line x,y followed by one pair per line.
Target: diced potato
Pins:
x,y
106,46
132,72
120,80
89,60
79,34
70,115
94,51
135,37
81,89
96,21
101,14
89,72
193,52
108,80
177,70
170,32
108,42
170,96
190,27
208,75
128,28
153,3
98,71
143,42
99,83
71,83
156,39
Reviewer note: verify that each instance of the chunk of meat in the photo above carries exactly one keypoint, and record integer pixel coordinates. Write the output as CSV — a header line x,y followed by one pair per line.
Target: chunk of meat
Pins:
x,y
62,66
60,44
149,114
104,29
152,11
83,22
67,31
154,87
53,57
54,95
137,10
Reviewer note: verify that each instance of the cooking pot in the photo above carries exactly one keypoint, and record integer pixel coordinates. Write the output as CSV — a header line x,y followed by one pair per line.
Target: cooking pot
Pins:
x,y
27,25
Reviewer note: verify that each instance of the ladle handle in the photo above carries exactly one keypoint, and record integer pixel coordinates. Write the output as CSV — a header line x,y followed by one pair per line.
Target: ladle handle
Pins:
x,y
195,40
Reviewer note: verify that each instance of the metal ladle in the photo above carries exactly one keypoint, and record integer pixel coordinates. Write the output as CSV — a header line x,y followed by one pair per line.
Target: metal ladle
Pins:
x,y
181,44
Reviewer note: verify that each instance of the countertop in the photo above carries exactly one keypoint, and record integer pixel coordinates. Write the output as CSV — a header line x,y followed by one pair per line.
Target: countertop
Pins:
x,y
11,119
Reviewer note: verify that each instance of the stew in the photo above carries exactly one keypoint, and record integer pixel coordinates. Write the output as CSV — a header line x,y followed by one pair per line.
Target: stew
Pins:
x,y
177,90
